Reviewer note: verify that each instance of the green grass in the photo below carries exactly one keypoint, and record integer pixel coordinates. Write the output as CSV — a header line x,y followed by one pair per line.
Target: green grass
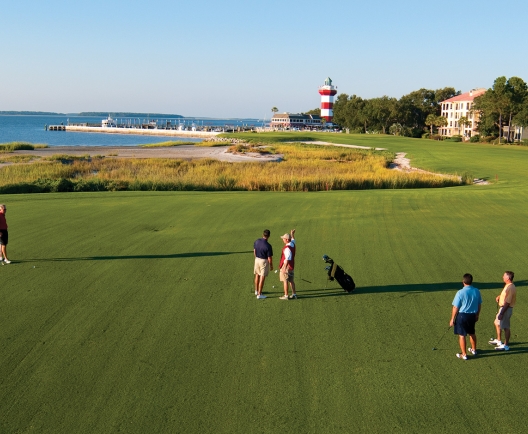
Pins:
x,y
139,315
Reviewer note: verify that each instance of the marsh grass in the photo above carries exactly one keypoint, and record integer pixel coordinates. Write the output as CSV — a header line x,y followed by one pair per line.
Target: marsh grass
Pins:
x,y
249,148
19,158
167,144
20,146
304,168
70,158
211,143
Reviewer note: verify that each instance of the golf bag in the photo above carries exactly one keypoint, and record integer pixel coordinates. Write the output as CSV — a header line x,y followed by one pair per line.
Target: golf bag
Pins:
x,y
335,272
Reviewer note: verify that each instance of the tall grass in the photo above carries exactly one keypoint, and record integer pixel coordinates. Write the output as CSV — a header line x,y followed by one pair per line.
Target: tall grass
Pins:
x,y
24,158
304,168
20,146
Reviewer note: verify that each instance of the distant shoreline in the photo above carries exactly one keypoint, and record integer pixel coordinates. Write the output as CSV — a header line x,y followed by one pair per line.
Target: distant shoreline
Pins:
x,y
91,114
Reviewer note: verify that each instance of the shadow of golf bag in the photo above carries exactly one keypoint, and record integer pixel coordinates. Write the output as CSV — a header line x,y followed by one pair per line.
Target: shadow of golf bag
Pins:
x,y
335,272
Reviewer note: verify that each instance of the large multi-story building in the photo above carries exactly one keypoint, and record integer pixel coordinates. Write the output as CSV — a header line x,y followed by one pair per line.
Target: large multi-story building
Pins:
x,y
457,107
291,121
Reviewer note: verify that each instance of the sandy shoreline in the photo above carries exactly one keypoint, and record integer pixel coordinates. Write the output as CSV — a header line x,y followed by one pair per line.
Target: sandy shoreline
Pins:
x,y
185,152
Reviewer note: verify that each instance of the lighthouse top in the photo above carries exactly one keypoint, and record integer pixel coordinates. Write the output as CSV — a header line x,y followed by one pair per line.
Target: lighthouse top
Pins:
x,y
327,88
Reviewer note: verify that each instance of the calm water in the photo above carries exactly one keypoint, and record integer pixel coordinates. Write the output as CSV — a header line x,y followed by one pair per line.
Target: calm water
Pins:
x,y
31,129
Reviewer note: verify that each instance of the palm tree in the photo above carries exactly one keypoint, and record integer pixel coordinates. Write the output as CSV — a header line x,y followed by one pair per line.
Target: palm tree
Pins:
x,y
462,122
274,110
431,120
440,122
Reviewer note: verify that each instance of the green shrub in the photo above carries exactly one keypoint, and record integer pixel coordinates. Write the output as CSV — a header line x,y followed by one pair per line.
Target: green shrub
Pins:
x,y
475,138
437,137
454,139
487,139
425,135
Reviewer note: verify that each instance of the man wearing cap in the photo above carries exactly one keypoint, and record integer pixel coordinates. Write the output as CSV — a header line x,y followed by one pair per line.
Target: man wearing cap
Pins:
x,y
263,253
287,264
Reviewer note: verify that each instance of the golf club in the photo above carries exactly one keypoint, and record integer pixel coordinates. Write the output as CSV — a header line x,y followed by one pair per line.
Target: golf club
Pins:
x,y
440,340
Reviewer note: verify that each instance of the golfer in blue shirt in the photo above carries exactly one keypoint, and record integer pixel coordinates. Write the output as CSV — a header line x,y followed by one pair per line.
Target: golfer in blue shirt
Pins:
x,y
465,313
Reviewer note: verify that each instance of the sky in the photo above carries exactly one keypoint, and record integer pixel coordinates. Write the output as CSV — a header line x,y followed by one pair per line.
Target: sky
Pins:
x,y
233,58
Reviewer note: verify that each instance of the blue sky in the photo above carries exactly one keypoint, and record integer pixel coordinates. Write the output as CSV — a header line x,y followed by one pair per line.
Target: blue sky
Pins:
x,y
238,59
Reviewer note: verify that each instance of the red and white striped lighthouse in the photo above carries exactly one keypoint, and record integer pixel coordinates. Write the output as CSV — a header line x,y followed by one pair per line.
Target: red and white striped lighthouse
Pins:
x,y
327,93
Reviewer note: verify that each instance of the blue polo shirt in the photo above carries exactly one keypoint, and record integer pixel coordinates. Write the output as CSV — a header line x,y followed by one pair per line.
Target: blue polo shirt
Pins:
x,y
263,249
468,299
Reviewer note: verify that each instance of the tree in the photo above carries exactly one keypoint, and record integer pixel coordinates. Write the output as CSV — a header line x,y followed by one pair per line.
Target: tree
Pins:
x,y
493,105
348,111
518,92
340,109
431,120
274,110
437,121
462,122
315,111
414,108
383,111
441,121
442,95
365,114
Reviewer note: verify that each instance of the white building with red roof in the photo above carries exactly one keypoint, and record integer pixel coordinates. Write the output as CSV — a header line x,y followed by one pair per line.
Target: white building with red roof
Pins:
x,y
457,107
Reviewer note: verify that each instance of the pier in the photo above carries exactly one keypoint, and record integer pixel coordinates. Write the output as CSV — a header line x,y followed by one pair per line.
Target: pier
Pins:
x,y
156,127
141,131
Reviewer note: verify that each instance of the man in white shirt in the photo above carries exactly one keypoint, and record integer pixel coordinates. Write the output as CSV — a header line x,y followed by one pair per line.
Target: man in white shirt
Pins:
x,y
287,264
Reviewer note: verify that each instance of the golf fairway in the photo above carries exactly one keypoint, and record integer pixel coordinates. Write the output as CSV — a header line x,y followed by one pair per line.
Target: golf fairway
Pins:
x,y
134,311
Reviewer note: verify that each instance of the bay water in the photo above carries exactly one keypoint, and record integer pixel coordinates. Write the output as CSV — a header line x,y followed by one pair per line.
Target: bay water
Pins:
x,y
31,128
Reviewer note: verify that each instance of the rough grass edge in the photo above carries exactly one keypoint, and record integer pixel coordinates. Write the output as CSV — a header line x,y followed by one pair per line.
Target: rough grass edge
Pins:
x,y
21,146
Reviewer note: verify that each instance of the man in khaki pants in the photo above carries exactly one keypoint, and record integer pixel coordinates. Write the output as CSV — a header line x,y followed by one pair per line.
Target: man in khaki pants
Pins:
x,y
506,301
263,253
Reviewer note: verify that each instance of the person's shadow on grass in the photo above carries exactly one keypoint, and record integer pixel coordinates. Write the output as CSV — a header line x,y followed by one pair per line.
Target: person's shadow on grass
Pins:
x,y
515,348
405,290
432,287
107,258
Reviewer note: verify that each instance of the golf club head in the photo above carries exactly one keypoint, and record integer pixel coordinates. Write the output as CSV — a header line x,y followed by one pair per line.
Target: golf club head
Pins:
x,y
328,268
325,258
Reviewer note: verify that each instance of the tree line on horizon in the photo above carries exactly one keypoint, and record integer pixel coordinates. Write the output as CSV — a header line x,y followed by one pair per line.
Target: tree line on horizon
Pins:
x,y
503,105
